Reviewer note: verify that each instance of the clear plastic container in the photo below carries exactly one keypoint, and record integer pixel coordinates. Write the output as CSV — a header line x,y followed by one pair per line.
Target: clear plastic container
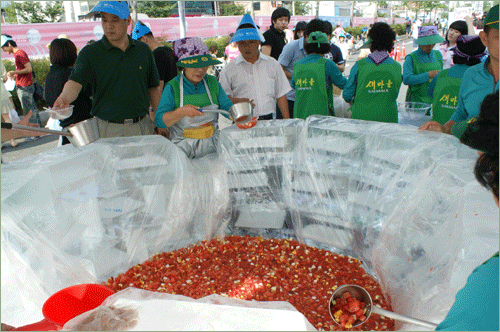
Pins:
x,y
60,114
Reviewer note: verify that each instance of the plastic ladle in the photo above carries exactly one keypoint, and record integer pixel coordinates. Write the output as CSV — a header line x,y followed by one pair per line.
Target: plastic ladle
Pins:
x,y
67,304
362,295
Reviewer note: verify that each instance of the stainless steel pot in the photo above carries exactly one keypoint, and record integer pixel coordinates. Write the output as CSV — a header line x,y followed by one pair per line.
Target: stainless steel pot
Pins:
x,y
240,112
80,133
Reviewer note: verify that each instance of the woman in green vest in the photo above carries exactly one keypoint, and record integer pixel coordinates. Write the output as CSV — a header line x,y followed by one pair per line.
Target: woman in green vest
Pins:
x,y
187,95
374,81
445,86
313,77
422,65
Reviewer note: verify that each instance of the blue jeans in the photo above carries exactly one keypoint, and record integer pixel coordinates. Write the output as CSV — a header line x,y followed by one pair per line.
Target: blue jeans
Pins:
x,y
25,94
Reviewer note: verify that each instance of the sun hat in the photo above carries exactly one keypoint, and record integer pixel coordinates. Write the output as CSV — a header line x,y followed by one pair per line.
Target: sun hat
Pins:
x,y
118,8
140,30
481,133
4,40
428,35
192,52
469,47
491,18
247,33
367,43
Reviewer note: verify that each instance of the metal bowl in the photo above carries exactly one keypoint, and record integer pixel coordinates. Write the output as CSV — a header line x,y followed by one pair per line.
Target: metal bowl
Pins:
x,y
84,132
241,112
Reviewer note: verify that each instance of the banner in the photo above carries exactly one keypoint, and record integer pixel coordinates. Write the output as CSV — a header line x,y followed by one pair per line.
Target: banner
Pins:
x,y
34,38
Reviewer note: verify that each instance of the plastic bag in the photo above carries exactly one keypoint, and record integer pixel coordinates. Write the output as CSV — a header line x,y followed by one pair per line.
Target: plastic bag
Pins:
x,y
341,107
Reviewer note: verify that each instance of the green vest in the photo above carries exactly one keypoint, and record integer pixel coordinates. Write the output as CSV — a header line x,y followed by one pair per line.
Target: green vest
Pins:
x,y
311,94
376,92
200,100
445,97
418,93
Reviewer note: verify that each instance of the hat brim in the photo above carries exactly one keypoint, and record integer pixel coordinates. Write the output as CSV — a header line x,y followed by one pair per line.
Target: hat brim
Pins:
x,y
104,6
459,128
493,25
367,44
429,40
198,61
247,34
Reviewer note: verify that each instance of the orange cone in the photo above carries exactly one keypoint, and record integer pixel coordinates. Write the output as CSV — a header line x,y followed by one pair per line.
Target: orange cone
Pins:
x,y
398,53
403,51
392,53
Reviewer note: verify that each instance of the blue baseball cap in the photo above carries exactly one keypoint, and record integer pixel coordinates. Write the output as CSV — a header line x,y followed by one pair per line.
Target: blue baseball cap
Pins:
x,y
4,40
118,8
140,30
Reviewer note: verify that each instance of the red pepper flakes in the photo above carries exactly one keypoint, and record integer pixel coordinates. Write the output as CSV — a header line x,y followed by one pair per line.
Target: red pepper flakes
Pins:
x,y
254,268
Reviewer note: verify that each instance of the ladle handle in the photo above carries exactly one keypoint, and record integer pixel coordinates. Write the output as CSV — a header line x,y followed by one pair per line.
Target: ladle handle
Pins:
x,y
6,125
215,111
43,325
393,315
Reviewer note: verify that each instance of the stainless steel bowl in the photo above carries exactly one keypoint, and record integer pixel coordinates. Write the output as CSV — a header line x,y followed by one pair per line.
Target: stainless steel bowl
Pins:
x,y
84,132
241,112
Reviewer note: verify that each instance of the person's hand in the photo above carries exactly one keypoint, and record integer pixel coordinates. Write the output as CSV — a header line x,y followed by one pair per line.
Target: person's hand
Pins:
x,y
11,74
433,73
432,126
61,102
190,111
162,131
6,327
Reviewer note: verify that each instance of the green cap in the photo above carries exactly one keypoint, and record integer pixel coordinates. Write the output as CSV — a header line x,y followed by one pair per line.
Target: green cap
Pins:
x,y
318,37
491,18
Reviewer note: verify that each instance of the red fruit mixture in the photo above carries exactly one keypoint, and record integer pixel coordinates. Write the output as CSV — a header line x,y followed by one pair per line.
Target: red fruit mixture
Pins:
x,y
254,268
348,311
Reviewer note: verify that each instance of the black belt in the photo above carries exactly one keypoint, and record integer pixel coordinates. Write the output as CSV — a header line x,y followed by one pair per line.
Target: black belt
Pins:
x,y
266,117
128,121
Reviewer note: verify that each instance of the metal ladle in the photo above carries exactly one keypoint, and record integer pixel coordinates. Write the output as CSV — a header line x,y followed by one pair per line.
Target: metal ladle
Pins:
x,y
362,295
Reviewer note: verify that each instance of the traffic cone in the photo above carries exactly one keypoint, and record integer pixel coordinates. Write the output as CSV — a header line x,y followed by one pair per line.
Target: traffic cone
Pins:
x,y
403,51
398,53
392,53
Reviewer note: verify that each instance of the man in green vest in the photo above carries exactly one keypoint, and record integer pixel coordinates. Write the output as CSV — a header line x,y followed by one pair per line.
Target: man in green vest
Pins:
x,y
422,65
374,81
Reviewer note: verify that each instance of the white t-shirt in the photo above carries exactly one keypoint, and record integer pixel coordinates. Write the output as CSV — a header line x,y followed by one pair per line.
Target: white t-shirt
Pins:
x,y
448,62
263,82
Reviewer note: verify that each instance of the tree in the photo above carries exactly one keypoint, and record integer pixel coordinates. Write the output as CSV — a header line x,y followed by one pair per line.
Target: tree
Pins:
x,y
231,9
156,8
302,8
35,12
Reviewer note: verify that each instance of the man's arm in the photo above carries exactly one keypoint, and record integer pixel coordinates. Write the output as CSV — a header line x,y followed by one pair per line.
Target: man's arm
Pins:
x,y
287,73
283,105
70,92
154,100
341,67
26,70
266,49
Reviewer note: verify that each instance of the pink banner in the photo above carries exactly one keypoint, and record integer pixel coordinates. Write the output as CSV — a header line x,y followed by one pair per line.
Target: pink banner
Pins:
x,y
33,38
356,21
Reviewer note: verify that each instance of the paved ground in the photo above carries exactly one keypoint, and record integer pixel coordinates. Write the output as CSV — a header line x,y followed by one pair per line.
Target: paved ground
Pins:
x,y
27,148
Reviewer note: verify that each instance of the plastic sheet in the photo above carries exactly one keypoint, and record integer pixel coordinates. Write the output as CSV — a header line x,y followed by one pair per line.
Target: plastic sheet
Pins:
x,y
141,310
404,202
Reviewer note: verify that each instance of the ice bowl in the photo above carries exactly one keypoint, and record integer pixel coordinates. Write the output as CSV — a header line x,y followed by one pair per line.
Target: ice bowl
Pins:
x,y
60,114
414,110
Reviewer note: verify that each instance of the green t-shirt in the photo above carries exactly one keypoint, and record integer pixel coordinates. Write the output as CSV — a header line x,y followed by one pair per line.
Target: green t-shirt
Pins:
x,y
119,80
